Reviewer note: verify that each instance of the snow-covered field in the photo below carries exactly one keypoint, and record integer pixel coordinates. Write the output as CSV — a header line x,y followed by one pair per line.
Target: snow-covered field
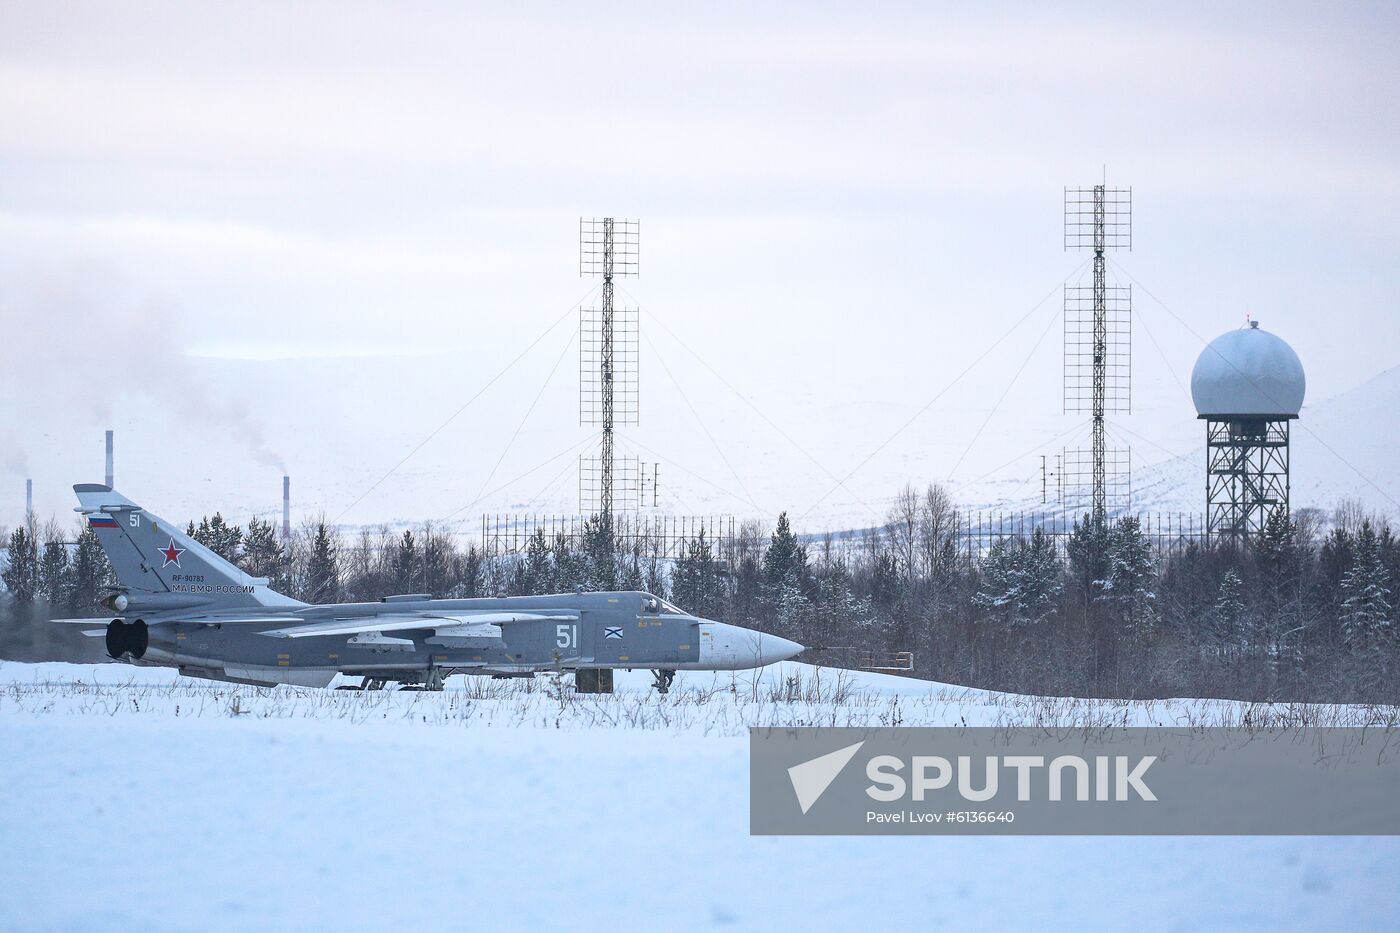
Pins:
x,y
137,801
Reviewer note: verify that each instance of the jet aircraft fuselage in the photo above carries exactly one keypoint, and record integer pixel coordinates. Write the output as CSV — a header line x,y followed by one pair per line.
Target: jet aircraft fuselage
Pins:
x,y
180,605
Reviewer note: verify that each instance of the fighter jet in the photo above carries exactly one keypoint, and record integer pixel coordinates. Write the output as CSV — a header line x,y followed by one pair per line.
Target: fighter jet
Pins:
x,y
178,604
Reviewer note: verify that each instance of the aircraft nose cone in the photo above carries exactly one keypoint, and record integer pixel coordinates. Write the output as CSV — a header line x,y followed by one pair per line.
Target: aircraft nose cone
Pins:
x,y
773,649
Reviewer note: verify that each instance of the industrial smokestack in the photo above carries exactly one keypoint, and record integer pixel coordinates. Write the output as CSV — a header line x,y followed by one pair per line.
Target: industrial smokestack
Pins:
x,y
28,498
286,508
109,459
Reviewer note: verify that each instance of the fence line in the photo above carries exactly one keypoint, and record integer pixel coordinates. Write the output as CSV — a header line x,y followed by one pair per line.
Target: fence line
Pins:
x,y
1166,531
975,532
660,536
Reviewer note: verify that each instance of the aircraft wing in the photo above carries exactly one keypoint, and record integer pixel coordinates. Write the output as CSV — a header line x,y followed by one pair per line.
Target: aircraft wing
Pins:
x,y
397,622
238,620
265,619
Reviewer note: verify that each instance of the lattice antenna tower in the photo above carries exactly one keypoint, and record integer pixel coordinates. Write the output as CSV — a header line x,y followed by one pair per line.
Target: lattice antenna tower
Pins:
x,y
608,349
1098,341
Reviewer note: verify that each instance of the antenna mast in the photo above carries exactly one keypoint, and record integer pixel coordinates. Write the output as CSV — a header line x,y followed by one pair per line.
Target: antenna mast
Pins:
x,y
1098,339
608,247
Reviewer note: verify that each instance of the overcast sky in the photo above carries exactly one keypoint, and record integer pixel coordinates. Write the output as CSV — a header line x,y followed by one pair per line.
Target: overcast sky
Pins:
x,y
842,206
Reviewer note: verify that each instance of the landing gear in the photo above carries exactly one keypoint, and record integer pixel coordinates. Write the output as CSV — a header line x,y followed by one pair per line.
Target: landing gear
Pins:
x,y
663,681
433,682
593,680
366,683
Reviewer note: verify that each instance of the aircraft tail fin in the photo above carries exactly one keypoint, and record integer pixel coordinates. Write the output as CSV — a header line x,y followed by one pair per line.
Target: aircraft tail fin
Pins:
x,y
159,567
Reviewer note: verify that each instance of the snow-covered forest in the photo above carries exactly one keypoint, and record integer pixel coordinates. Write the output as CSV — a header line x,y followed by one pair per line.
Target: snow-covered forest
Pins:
x,y
1305,612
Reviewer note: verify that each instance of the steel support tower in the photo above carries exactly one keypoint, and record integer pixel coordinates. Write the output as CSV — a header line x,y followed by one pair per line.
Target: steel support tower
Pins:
x,y
1246,475
608,247
605,496
1098,329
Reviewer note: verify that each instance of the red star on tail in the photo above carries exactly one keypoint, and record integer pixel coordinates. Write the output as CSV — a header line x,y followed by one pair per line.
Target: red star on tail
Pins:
x,y
171,553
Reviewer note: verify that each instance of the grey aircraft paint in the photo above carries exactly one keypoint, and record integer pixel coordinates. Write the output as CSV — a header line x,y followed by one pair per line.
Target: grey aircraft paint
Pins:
x,y
178,604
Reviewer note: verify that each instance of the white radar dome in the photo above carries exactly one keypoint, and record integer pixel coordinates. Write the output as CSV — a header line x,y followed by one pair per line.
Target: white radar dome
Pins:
x,y
1248,373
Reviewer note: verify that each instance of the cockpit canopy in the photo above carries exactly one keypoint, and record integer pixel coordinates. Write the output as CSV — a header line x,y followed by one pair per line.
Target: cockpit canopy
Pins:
x,y
657,604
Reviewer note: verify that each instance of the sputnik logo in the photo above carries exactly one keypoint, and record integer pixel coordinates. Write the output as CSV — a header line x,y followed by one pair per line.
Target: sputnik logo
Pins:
x,y
811,778
171,554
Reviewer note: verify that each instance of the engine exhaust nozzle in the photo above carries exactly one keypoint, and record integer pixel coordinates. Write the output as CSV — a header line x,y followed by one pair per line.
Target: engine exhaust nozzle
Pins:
x,y
127,639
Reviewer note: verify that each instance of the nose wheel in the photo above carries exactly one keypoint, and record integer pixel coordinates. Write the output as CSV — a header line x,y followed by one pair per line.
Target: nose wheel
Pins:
x,y
663,681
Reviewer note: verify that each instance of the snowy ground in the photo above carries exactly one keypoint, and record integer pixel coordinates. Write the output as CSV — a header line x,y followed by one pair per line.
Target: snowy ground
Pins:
x,y
136,802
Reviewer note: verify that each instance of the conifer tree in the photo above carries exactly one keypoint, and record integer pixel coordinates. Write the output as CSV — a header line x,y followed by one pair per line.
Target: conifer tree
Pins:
x,y
570,570
91,573
21,574
323,567
785,562
1128,584
471,581
696,585
1230,611
407,568
999,591
655,582
1020,580
785,579
1280,619
599,565
840,613
436,562
1088,548
538,566
1041,581
263,555
1336,557
1366,608
227,539
630,574
218,536
55,574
